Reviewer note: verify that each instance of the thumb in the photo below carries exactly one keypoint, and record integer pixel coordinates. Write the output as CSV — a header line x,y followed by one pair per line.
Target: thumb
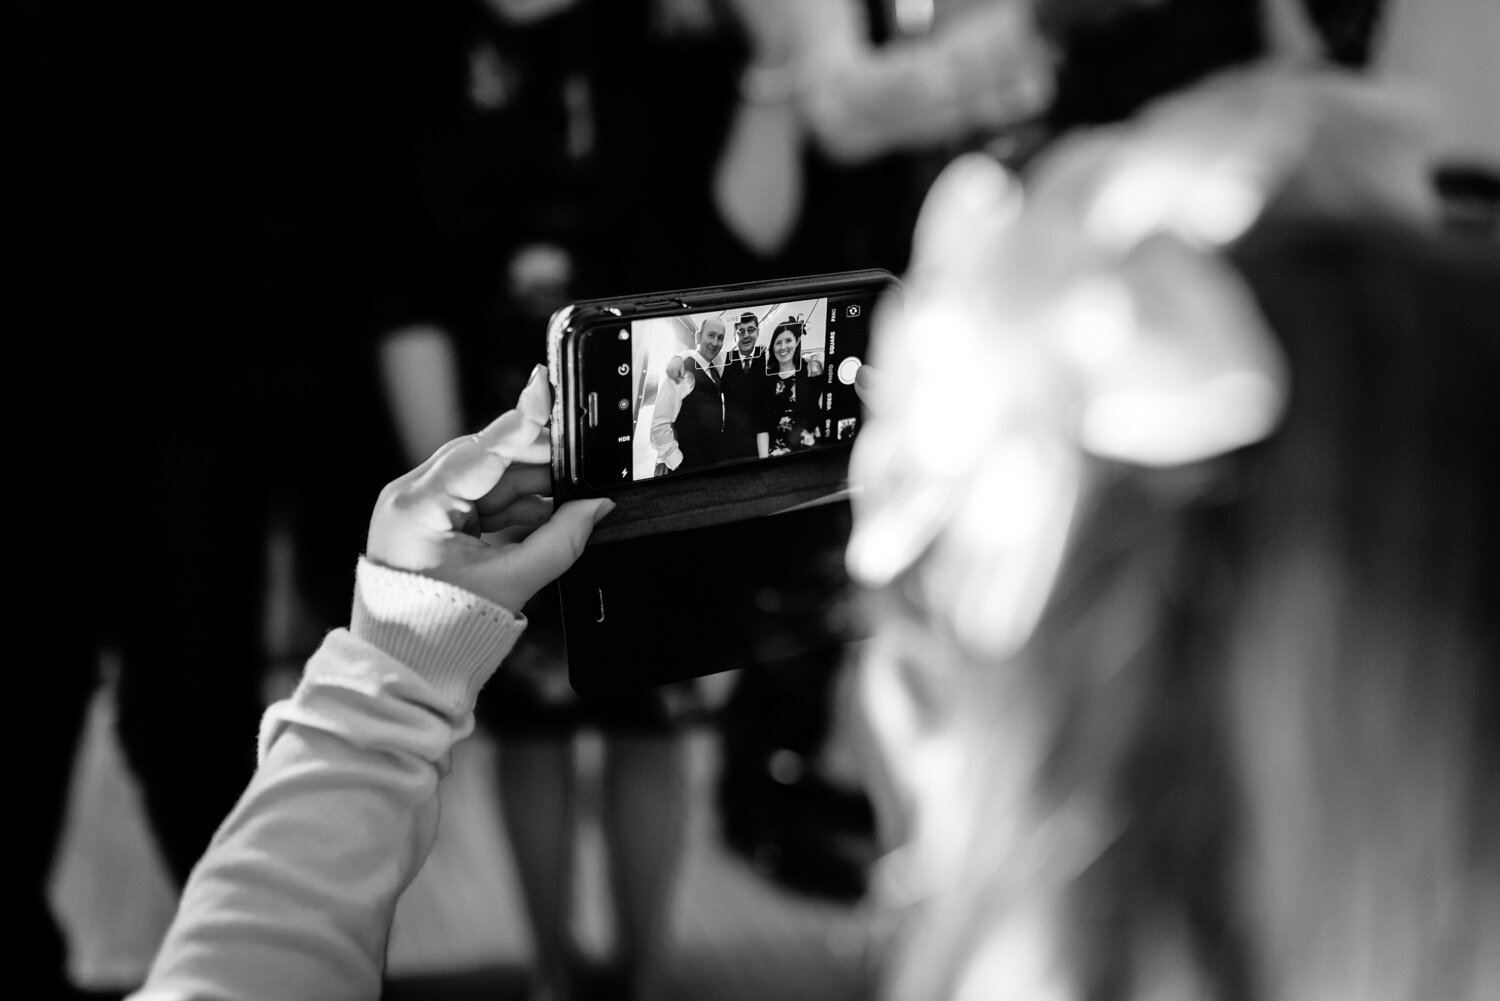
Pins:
x,y
872,387
550,550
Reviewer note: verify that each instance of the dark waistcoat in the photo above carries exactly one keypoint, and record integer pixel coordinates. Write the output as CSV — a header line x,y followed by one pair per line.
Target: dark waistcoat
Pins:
x,y
700,420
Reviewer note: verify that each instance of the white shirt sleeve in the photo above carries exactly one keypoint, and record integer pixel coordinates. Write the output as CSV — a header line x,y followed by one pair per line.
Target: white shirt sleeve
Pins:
x,y
669,397
294,897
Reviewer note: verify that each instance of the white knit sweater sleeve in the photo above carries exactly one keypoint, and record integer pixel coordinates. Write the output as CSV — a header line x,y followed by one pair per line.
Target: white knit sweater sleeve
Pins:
x,y
294,897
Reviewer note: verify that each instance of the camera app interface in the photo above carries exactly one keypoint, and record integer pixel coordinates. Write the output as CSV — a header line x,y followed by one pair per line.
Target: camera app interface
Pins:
x,y
740,384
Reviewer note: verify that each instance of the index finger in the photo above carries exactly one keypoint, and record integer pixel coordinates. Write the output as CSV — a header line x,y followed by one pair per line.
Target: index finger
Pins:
x,y
472,468
512,433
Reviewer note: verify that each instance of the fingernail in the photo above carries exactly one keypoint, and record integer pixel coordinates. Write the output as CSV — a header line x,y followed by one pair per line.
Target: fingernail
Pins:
x,y
603,509
534,398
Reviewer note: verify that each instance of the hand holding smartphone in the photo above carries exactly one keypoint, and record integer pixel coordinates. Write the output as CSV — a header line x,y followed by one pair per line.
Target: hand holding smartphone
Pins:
x,y
719,421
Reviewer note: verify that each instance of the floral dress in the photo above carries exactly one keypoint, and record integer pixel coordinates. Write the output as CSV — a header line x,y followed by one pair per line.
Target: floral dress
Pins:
x,y
791,413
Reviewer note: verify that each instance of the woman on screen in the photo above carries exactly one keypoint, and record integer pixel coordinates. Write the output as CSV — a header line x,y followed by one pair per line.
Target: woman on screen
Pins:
x,y
791,401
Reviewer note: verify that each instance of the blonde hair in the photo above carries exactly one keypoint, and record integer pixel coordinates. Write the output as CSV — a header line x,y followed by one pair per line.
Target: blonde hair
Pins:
x,y
1253,749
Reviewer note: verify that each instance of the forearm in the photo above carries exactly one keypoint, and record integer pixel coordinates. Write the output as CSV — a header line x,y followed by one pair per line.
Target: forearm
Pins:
x,y
666,450
757,183
419,374
663,431
980,71
295,895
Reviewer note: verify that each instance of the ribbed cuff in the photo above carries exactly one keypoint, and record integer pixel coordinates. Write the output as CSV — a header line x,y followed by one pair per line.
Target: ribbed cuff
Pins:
x,y
452,637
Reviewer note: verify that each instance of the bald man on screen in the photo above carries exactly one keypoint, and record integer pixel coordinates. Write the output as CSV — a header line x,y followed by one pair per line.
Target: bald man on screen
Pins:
x,y
687,426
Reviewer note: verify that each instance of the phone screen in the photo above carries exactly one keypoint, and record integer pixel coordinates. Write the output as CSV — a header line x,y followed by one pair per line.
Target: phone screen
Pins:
x,y
748,383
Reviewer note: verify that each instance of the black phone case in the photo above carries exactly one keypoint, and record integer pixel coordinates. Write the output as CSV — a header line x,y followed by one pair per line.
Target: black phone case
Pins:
x,y
724,569
710,496
654,610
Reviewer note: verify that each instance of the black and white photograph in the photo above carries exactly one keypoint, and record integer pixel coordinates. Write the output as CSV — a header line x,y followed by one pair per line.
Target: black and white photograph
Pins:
x,y
728,500
758,374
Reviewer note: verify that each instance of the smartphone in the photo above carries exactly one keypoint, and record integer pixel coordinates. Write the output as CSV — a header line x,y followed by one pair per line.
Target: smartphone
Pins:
x,y
698,406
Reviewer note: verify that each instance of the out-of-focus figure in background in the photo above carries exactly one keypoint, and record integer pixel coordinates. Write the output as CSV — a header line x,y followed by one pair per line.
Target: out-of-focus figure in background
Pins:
x,y
695,173
1186,665
844,109
186,310
574,188
500,141
938,75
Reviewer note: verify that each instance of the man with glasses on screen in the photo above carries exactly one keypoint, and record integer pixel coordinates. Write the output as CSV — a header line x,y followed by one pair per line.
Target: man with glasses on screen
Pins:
x,y
744,381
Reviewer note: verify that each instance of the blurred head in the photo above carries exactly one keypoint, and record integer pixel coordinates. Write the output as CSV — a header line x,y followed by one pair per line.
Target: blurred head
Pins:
x,y
1248,747
1171,723
711,337
746,330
